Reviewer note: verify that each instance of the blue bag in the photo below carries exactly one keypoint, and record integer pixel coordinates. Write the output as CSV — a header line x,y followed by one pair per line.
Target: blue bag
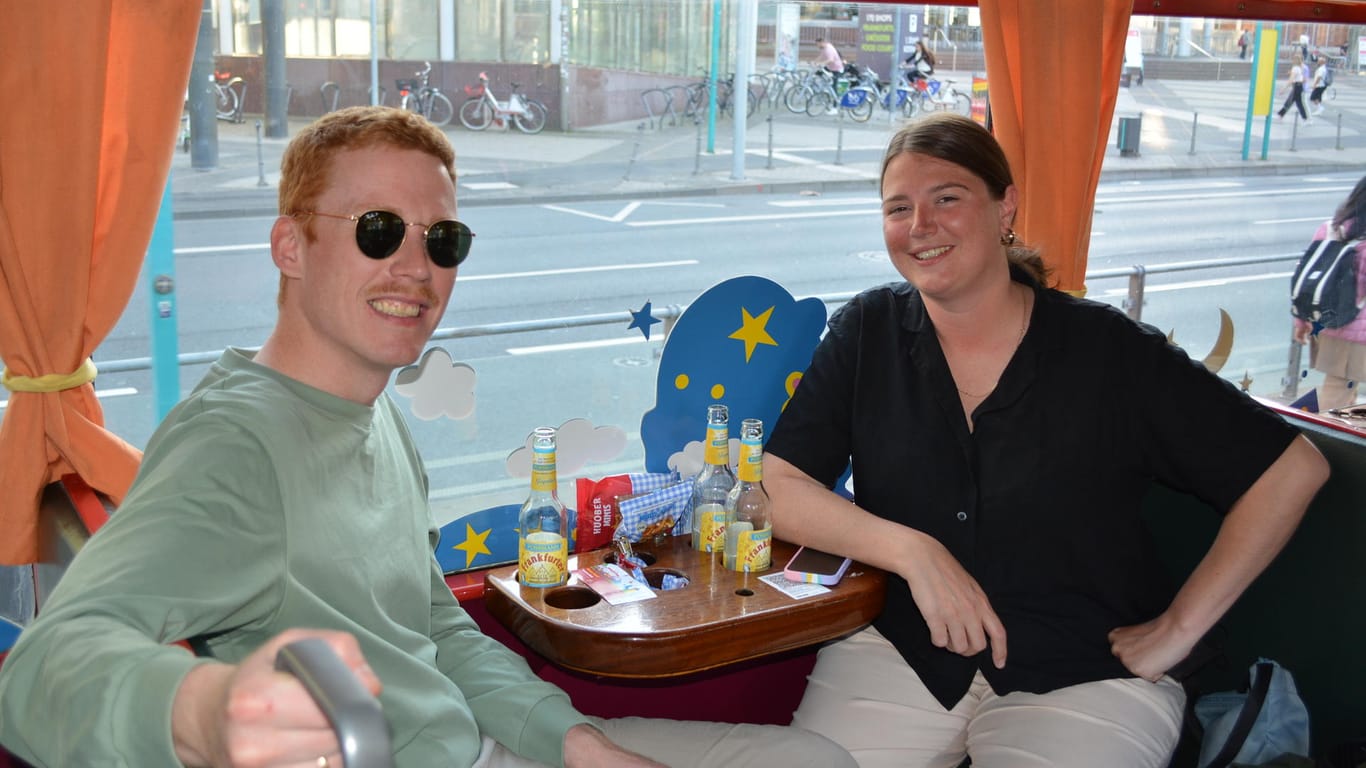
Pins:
x,y
1266,722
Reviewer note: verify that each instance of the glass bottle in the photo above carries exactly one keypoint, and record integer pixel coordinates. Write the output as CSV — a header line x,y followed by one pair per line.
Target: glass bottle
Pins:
x,y
749,526
543,543
713,484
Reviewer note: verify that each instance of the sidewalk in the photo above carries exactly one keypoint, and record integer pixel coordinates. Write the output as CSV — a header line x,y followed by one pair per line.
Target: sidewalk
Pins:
x,y
1188,128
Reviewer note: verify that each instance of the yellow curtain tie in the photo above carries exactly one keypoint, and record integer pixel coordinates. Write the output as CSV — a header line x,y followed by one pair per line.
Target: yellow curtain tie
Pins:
x,y
52,382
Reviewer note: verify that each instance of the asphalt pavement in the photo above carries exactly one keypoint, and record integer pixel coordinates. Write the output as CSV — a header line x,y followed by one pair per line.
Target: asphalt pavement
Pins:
x,y
1186,128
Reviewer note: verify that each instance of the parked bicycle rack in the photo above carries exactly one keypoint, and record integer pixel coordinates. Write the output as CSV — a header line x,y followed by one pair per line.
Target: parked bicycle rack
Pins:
x,y
664,96
330,90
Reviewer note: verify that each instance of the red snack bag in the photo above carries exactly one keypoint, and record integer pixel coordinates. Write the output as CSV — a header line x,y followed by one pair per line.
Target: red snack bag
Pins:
x,y
597,510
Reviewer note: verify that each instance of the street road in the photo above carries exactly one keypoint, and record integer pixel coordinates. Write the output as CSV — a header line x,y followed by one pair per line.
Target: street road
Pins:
x,y
533,262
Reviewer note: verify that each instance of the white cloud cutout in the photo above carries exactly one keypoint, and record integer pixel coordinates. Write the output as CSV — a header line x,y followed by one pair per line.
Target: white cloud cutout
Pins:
x,y
437,386
577,443
688,462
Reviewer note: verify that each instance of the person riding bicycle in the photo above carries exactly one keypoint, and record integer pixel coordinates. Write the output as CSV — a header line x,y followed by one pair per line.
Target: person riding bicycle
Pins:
x,y
919,65
828,57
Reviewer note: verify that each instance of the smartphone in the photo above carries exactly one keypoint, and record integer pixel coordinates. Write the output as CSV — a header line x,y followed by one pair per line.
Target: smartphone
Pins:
x,y
816,567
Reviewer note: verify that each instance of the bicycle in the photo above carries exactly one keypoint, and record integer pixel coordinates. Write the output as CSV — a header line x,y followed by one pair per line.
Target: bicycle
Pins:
x,y
481,110
426,100
227,102
697,95
934,95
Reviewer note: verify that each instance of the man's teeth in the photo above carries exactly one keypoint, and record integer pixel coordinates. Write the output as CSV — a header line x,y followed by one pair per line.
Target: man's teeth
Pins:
x,y
395,308
931,253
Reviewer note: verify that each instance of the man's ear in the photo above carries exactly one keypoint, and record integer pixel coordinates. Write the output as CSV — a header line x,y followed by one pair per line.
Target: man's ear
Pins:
x,y
286,246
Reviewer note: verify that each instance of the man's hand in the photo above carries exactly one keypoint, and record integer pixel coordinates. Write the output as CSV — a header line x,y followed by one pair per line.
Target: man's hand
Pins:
x,y
252,716
587,747
956,610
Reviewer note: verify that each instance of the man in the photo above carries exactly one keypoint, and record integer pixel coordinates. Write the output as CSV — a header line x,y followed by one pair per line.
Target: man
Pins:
x,y
283,499
828,57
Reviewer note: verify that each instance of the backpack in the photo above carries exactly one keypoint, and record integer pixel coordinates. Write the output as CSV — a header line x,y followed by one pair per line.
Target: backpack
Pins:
x,y
1323,288
1268,724
1327,76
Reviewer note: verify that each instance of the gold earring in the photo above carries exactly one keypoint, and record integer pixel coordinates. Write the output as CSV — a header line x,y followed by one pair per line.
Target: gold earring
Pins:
x,y
1009,237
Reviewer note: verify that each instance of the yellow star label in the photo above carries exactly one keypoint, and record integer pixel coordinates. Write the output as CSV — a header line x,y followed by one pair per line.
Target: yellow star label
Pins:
x,y
752,331
474,545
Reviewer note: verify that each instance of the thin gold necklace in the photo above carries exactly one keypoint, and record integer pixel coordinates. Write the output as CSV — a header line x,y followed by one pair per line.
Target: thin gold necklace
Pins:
x,y
1024,326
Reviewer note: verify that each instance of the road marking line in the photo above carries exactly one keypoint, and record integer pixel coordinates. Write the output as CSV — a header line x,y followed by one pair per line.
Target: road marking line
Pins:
x,y
578,270
825,201
216,248
573,345
1209,195
615,218
1318,219
1200,284
753,217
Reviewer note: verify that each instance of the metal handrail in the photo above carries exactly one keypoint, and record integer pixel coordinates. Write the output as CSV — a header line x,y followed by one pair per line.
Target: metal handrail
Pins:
x,y
1133,306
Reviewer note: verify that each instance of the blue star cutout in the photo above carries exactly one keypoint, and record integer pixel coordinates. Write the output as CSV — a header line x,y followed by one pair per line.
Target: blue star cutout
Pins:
x,y
642,319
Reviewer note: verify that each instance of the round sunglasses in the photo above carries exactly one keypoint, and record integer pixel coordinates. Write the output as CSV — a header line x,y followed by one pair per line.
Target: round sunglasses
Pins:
x,y
380,233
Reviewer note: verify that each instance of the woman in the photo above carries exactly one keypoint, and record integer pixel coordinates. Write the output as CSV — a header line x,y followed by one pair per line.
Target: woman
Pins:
x,y
920,64
1002,436
1296,83
1318,84
1340,353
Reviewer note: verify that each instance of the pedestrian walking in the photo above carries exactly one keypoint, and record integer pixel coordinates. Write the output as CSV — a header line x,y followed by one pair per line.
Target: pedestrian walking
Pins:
x,y
1296,85
1319,84
1242,44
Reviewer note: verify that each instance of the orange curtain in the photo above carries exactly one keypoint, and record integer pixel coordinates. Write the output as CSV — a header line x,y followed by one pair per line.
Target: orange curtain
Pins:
x,y
93,93
1057,63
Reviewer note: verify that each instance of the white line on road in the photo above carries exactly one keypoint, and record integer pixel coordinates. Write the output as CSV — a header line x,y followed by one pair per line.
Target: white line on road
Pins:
x,y
754,217
817,202
218,248
1102,200
573,345
576,270
1201,284
1318,219
626,210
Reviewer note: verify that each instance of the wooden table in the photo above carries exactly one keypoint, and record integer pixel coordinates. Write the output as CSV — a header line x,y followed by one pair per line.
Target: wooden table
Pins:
x,y
720,618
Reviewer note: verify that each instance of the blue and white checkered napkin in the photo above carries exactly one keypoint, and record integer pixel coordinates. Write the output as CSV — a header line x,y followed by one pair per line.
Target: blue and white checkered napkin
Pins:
x,y
660,495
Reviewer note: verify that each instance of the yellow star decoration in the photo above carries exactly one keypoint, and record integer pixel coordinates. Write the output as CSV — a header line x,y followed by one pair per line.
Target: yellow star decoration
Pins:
x,y
474,545
752,332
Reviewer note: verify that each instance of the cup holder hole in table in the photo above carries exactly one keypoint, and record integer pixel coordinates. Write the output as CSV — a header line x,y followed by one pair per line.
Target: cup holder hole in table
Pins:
x,y
656,576
569,598
745,592
645,557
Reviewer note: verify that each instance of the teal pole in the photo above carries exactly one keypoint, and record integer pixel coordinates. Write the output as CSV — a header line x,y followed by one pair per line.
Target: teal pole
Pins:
x,y
161,271
711,77
1252,89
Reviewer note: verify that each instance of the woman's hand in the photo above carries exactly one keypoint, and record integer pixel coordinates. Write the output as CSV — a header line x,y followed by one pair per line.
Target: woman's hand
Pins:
x,y
956,610
1150,649
1302,331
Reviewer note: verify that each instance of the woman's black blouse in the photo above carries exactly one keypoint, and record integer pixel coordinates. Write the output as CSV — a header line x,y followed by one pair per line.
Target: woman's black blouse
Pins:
x,y
1041,501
